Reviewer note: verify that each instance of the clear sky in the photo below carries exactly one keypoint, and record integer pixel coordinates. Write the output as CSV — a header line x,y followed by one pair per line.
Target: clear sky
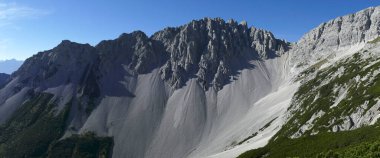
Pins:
x,y
27,27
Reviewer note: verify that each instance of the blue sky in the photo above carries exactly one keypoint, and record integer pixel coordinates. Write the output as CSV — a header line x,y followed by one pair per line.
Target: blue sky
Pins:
x,y
27,27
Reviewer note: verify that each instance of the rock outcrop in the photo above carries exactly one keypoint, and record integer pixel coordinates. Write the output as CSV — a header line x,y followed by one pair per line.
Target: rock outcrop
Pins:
x,y
336,34
65,64
209,49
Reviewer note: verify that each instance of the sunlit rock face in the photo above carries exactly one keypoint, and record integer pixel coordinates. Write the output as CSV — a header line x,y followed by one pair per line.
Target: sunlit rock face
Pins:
x,y
212,50
336,34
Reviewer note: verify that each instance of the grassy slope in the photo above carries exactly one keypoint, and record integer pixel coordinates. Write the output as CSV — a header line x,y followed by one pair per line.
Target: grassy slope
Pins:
x,y
36,128
318,94
362,142
84,146
29,133
356,143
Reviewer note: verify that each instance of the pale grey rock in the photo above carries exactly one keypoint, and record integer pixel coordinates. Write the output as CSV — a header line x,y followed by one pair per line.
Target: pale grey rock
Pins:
x,y
341,32
210,49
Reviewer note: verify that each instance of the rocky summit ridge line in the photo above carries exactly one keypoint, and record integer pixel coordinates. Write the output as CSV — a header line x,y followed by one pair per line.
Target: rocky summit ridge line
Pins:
x,y
210,50
209,88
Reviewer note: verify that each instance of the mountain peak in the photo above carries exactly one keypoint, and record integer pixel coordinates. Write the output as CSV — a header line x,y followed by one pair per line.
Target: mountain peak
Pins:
x,y
345,30
137,33
210,22
68,43
208,48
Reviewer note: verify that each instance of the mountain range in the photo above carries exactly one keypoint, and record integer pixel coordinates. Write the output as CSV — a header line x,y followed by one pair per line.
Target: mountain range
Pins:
x,y
210,88
9,66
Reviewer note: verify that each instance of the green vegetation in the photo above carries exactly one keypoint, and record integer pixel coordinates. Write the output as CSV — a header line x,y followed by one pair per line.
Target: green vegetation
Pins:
x,y
82,146
312,69
319,94
375,40
35,129
358,77
366,149
362,142
29,133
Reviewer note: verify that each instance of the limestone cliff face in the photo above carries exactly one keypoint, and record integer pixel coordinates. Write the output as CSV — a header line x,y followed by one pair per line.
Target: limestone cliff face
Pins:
x,y
209,49
136,51
338,33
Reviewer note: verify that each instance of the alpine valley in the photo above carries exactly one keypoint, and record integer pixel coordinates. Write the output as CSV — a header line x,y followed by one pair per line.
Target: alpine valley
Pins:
x,y
207,89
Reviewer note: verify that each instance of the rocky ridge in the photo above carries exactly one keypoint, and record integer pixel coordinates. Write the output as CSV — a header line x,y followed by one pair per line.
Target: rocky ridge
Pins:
x,y
210,50
335,35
